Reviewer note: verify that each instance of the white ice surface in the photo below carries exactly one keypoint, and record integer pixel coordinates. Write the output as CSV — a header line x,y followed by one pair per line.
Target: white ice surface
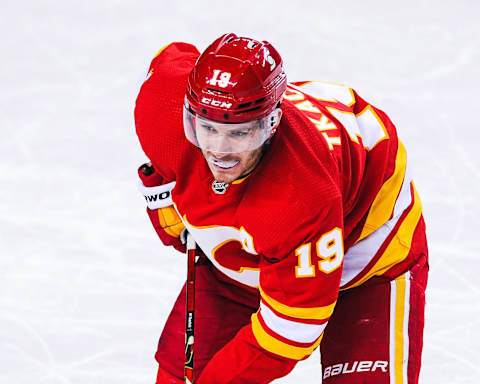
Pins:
x,y
85,286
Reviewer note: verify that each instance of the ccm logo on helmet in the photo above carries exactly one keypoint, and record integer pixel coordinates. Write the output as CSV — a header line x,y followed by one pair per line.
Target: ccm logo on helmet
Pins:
x,y
216,103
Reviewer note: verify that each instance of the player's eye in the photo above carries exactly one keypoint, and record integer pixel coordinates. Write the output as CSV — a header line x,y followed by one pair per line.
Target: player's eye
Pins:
x,y
208,128
240,133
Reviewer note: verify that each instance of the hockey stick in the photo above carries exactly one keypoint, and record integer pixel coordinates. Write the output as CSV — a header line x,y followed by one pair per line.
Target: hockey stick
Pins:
x,y
191,246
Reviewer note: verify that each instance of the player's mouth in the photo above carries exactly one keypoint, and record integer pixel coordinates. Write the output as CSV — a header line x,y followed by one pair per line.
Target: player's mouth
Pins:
x,y
222,164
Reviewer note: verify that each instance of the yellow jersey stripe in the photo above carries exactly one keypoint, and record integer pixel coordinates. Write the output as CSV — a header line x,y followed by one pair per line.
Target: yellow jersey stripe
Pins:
x,y
278,347
161,50
238,181
399,318
382,206
399,311
400,244
316,313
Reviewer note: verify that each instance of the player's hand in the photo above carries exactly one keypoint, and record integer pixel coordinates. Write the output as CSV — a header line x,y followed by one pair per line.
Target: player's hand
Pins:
x,y
165,217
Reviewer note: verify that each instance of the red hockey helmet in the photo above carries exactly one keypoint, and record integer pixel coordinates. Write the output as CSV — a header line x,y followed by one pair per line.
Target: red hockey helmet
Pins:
x,y
236,79
233,93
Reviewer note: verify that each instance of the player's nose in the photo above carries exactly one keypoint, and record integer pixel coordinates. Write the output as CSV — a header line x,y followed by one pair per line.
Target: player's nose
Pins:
x,y
222,147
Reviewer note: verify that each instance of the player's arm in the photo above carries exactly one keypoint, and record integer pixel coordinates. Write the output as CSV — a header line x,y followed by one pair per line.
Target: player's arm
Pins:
x,y
160,209
298,295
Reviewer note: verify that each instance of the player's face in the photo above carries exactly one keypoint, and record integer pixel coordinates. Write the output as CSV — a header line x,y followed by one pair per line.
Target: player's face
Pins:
x,y
223,138
231,149
230,167
229,138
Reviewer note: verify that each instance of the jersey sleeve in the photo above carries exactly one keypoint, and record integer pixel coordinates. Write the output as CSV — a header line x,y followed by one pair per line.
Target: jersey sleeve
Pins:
x,y
159,106
159,127
298,295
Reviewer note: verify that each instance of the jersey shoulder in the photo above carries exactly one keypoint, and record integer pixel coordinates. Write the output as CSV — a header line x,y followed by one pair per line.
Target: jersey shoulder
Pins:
x,y
158,109
357,135
324,93
337,99
342,103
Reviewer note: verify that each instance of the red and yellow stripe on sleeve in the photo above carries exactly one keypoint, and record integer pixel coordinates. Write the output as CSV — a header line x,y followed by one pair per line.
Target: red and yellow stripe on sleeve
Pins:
x,y
397,248
384,203
291,332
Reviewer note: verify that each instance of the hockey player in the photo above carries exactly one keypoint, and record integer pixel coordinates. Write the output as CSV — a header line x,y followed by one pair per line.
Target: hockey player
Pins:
x,y
301,200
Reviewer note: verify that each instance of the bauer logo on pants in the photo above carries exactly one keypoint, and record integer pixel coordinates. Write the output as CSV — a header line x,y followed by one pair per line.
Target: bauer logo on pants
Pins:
x,y
356,366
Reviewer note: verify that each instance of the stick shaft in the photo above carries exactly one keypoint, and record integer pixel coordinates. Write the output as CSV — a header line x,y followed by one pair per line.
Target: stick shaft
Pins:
x,y
189,326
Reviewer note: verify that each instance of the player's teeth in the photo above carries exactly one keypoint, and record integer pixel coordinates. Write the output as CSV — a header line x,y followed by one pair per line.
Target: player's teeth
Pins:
x,y
225,164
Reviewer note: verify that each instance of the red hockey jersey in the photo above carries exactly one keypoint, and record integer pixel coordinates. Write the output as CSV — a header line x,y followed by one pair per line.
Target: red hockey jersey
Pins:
x,y
330,205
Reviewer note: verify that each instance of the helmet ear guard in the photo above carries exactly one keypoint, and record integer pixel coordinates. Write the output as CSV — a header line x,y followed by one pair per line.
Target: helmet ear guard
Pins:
x,y
273,119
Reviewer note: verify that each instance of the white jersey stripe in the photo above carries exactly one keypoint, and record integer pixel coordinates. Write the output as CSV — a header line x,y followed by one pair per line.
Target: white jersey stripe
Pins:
x,y
292,330
359,255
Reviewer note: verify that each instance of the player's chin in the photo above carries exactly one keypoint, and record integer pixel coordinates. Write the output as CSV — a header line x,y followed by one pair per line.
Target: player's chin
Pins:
x,y
240,166
225,170
224,176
